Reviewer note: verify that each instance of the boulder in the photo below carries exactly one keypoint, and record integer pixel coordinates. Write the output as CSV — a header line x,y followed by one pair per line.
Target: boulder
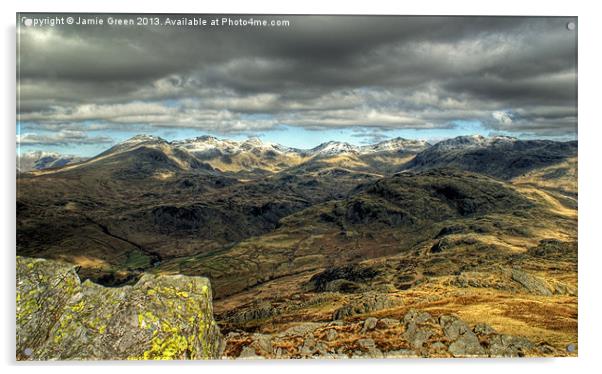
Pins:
x,y
465,342
369,324
388,323
532,283
308,346
366,343
159,317
331,335
483,329
368,349
415,332
453,327
248,353
417,316
262,342
509,346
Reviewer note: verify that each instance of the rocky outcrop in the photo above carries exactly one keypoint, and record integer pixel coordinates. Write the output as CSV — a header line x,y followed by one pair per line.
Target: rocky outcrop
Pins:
x,y
349,278
533,284
260,310
513,280
160,317
417,334
555,250
366,303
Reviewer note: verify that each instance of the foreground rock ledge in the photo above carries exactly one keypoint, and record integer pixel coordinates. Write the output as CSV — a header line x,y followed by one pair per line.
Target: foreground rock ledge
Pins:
x,y
160,317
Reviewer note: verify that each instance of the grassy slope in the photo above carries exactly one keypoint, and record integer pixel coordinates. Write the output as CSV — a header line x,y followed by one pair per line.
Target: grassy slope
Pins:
x,y
390,226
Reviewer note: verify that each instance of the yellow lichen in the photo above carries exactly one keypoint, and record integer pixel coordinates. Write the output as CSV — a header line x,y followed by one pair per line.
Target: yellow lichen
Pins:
x,y
78,307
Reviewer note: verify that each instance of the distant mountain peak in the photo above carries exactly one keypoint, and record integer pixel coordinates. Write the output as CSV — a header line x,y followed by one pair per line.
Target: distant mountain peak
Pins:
x,y
39,160
473,141
202,138
332,148
141,138
396,145
253,141
498,156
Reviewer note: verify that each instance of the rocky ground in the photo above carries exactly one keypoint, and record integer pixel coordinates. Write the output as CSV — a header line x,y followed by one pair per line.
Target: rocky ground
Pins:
x,y
417,334
170,317
465,248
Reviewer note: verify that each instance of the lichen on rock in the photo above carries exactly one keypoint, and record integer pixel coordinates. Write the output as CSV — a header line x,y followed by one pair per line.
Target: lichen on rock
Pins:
x,y
160,317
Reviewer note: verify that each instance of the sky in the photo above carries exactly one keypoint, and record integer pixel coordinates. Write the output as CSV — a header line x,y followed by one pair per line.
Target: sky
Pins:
x,y
359,79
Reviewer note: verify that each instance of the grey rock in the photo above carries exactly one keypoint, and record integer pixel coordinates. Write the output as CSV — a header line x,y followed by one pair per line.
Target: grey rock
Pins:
x,y
375,353
369,324
564,289
532,283
400,353
248,353
509,346
414,333
547,349
388,323
465,342
321,348
417,335
259,311
368,349
367,303
60,318
263,342
483,329
334,356
366,343
467,345
453,327
301,329
417,317
308,346
331,335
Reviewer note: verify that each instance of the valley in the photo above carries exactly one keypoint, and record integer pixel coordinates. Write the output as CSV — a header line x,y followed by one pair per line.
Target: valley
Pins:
x,y
466,247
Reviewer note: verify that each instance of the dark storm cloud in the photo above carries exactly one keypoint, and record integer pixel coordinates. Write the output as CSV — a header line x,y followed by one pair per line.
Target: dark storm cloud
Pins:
x,y
512,74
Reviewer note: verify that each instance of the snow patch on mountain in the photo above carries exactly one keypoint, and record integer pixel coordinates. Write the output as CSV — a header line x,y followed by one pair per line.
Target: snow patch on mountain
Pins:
x,y
39,160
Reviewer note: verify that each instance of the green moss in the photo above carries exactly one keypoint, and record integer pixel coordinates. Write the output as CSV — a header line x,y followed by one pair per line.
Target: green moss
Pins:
x,y
137,260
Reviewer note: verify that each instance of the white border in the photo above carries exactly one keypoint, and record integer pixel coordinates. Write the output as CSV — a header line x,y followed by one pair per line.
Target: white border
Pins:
x,y
590,157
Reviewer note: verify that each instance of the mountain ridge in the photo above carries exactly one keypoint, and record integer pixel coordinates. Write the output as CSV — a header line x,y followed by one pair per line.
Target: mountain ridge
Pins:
x,y
499,156
290,240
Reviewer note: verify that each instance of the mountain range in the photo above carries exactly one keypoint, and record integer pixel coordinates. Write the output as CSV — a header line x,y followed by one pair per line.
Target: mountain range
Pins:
x,y
484,228
475,153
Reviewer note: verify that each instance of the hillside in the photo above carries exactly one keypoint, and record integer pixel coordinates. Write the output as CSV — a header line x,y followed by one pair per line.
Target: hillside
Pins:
x,y
306,249
500,157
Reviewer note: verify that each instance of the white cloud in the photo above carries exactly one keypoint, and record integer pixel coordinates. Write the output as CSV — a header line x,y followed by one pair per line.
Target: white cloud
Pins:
x,y
504,118
62,137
